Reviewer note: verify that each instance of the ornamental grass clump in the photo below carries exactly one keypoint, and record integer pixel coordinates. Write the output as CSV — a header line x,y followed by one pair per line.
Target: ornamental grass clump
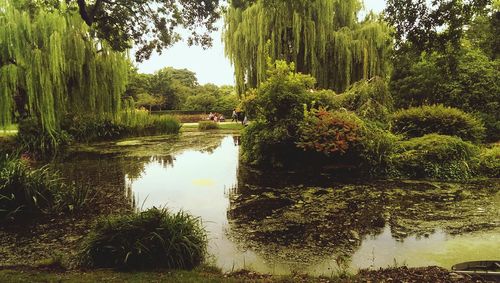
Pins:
x,y
436,157
438,119
27,192
154,238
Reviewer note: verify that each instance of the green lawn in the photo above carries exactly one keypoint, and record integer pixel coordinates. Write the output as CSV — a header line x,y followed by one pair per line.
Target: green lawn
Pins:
x,y
227,126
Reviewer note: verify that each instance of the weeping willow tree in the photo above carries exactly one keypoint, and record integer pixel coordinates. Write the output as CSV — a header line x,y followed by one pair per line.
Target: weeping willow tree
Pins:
x,y
51,65
322,37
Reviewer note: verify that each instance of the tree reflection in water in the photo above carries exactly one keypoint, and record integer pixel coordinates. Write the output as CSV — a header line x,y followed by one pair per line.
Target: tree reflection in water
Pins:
x,y
286,217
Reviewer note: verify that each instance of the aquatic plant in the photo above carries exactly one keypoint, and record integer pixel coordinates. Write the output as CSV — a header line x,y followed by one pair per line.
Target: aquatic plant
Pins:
x,y
27,192
148,239
435,156
207,125
419,121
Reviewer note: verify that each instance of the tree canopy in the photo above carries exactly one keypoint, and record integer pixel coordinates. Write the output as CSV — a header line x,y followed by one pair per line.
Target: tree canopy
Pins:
x,y
431,26
322,37
50,64
147,24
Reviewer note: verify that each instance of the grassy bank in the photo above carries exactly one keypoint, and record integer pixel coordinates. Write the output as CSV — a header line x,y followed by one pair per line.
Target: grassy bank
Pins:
x,y
211,274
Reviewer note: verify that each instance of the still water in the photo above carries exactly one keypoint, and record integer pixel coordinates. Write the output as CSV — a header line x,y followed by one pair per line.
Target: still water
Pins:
x,y
277,223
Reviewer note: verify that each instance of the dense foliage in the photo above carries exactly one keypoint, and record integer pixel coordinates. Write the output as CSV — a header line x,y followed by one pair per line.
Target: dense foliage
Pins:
x,y
435,156
330,132
154,238
50,65
278,106
322,37
489,162
151,25
419,121
426,25
26,192
472,86
178,89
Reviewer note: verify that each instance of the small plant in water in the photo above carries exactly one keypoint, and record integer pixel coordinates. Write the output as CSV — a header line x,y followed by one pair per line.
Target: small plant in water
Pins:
x,y
154,238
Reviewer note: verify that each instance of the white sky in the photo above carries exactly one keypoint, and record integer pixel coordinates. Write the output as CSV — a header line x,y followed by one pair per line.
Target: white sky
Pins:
x,y
210,66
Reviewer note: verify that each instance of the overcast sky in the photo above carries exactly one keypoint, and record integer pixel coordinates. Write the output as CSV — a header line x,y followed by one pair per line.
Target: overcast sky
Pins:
x,y
210,66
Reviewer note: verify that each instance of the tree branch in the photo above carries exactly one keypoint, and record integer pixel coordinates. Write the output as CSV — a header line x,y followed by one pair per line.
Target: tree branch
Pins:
x,y
82,6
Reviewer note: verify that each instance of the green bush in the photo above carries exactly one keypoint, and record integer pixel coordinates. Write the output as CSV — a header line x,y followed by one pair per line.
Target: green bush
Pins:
x,y
375,150
154,238
207,125
419,121
32,138
489,162
278,106
264,144
469,81
435,156
369,99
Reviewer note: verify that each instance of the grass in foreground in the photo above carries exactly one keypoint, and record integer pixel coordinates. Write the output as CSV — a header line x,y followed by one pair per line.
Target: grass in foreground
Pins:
x,y
211,274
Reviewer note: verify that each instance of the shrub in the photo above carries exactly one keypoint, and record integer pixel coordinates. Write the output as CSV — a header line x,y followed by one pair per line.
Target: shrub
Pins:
x,y
279,108
435,156
264,144
375,150
329,132
369,99
26,192
207,125
32,138
419,121
489,162
154,238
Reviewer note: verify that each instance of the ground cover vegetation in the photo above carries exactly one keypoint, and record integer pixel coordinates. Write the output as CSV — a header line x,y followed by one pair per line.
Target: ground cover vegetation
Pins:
x,y
155,238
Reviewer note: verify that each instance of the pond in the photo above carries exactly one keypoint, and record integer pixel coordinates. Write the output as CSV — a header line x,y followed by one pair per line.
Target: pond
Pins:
x,y
280,222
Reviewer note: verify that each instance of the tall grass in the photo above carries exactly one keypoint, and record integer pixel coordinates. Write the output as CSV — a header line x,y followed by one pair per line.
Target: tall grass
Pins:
x,y
130,123
154,238
27,192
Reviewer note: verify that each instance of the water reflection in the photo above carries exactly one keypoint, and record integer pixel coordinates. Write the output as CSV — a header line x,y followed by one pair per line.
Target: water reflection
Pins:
x,y
279,222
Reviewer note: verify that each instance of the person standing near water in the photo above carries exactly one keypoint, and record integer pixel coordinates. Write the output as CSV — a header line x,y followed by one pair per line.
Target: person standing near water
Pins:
x,y
234,116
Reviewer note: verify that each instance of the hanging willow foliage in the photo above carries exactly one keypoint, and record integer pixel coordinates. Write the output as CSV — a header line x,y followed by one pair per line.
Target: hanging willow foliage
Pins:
x,y
50,62
322,37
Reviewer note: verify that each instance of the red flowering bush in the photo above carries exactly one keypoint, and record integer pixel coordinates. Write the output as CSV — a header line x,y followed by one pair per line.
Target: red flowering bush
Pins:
x,y
330,132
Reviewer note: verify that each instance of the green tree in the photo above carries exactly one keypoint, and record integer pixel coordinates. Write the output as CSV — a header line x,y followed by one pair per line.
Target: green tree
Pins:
x,y
422,25
147,24
474,87
322,37
51,65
